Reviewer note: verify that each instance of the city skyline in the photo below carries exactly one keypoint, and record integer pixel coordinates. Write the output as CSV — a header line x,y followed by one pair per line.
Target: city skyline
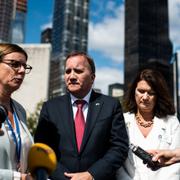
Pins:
x,y
106,35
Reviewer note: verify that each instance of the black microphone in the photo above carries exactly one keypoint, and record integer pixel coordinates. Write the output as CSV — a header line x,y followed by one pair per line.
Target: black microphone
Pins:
x,y
3,114
145,156
41,161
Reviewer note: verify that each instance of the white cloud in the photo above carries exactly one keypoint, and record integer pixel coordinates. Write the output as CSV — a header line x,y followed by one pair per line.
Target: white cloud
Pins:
x,y
106,76
174,14
107,36
110,6
47,25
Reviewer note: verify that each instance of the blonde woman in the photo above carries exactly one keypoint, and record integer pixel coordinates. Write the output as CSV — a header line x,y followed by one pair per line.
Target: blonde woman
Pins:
x,y
15,139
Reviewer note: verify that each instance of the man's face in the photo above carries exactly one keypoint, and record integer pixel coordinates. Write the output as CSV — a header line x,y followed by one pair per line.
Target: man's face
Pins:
x,y
78,76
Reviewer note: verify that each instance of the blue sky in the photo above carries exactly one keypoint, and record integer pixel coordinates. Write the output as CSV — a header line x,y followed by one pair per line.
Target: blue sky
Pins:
x,y
106,34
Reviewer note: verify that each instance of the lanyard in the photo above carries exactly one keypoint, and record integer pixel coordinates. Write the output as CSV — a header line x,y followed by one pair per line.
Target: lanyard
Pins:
x,y
17,140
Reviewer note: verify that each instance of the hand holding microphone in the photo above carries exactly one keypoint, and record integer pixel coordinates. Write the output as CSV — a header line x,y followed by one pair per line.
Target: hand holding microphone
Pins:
x,y
145,156
41,161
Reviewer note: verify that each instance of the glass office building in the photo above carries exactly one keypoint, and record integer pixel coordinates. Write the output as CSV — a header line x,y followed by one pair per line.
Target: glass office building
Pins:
x,y
147,42
6,14
19,22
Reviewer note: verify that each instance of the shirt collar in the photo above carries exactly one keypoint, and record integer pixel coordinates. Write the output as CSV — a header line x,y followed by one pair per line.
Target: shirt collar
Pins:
x,y
86,98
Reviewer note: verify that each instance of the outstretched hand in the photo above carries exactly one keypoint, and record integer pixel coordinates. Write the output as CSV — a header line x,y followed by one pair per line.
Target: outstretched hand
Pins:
x,y
26,177
164,157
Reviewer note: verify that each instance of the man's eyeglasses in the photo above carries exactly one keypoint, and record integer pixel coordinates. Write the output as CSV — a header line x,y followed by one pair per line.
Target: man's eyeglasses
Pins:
x,y
16,65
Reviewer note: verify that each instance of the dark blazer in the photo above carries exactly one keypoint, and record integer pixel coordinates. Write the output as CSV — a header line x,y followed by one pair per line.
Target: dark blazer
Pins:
x,y
105,143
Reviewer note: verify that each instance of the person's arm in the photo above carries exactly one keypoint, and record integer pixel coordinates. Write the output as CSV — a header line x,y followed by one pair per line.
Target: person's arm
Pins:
x,y
118,147
166,157
9,175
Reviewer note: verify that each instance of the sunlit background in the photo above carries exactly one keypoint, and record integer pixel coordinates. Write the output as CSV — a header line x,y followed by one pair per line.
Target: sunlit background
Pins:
x,y
106,34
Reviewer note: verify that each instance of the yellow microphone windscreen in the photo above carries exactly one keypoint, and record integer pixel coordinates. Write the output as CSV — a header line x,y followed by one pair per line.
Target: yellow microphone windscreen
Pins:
x,y
41,156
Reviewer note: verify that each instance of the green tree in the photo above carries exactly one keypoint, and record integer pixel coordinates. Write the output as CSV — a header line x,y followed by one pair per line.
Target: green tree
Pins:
x,y
32,118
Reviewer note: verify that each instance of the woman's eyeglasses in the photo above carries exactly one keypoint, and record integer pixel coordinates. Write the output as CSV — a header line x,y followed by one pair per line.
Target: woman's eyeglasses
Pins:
x,y
16,65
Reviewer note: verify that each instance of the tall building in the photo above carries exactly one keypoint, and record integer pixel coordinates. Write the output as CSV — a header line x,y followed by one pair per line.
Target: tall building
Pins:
x,y
46,35
34,88
19,21
176,60
116,90
69,33
147,41
6,14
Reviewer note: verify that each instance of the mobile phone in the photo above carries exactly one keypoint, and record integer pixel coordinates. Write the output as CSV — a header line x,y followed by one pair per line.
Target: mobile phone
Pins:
x,y
145,156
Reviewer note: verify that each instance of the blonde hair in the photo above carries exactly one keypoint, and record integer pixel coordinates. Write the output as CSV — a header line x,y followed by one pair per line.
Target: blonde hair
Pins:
x,y
7,48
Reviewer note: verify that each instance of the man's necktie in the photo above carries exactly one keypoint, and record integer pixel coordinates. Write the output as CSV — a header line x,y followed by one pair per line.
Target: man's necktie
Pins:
x,y
79,122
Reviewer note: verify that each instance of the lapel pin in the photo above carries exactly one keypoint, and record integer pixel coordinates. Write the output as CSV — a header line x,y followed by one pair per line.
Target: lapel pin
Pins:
x,y
97,104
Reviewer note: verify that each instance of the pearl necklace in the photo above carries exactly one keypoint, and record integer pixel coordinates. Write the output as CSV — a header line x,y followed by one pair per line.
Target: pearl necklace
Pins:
x,y
143,124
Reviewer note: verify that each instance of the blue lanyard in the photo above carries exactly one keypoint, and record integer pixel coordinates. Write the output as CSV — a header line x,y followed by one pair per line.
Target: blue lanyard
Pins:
x,y
15,139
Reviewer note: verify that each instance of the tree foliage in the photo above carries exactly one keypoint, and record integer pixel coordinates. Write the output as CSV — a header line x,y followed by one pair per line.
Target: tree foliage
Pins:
x,y
32,118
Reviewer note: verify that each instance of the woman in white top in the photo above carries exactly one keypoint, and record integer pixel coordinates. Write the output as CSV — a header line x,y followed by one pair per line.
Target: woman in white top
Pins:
x,y
15,139
151,124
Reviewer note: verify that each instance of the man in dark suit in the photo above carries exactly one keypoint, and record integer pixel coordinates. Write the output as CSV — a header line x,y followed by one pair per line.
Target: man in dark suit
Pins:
x,y
104,144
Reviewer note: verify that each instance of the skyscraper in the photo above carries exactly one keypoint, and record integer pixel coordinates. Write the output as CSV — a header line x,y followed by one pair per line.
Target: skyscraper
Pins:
x,y
147,41
6,14
19,21
69,33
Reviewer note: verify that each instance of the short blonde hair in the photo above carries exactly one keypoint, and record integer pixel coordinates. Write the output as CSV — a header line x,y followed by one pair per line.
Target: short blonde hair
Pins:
x,y
7,48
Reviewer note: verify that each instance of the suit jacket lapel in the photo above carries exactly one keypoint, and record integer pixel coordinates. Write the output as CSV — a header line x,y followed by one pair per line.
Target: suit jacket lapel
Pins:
x,y
68,120
18,110
22,118
95,105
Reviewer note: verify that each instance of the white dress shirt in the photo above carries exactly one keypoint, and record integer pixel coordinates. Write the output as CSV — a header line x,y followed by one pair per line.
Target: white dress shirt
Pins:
x,y
85,107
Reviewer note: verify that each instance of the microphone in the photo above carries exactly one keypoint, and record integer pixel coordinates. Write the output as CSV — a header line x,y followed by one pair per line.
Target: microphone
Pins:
x,y
145,156
3,114
41,161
